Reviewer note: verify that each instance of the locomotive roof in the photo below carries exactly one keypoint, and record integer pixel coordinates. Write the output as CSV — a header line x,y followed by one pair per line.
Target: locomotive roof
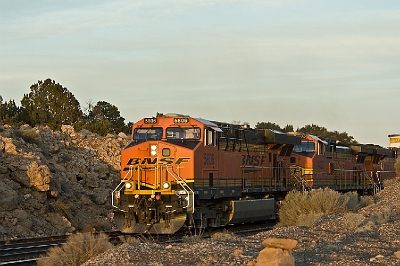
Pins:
x,y
318,139
208,123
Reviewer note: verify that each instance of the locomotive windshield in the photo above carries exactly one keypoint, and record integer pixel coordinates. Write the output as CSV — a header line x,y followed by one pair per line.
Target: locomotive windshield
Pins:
x,y
306,146
191,133
147,133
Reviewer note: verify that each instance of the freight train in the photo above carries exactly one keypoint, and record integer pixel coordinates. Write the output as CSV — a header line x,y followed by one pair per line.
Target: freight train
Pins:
x,y
182,171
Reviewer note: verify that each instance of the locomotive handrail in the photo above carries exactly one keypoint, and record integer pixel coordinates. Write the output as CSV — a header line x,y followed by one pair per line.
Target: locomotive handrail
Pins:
x,y
377,187
121,185
185,187
299,178
277,170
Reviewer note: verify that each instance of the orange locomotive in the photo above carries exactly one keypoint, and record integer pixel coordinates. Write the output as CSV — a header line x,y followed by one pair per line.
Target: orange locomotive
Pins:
x,y
321,163
182,171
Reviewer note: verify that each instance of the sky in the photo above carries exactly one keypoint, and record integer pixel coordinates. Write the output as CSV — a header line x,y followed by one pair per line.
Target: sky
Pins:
x,y
333,63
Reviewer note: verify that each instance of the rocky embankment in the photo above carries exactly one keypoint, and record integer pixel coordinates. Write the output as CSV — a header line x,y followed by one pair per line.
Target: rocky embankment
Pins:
x,y
54,182
369,237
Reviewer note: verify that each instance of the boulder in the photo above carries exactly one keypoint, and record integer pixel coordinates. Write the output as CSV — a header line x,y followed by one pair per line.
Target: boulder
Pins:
x,y
9,146
59,222
238,253
277,252
67,129
39,176
287,244
397,254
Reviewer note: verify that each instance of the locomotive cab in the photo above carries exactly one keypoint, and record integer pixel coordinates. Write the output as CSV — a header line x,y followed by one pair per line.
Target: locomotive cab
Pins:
x,y
156,194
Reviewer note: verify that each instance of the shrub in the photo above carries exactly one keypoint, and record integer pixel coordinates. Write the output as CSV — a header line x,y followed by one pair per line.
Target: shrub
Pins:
x,y
368,227
78,249
397,166
192,239
350,200
365,201
224,236
130,240
390,182
353,220
29,135
382,217
353,202
332,248
308,219
316,202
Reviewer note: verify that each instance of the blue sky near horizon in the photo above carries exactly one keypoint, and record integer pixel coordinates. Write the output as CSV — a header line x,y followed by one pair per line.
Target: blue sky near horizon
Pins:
x,y
331,63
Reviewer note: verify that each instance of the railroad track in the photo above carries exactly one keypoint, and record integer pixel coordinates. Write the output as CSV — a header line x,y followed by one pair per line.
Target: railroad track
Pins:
x,y
27,251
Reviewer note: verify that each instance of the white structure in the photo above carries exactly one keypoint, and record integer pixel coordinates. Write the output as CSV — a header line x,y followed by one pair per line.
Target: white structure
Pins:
x,y
394,140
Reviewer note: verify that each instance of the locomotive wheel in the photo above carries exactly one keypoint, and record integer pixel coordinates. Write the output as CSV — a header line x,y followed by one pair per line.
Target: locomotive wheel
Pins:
x,y
163,227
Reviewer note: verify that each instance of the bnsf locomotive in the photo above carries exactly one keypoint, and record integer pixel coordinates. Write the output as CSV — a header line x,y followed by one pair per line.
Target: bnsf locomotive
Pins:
x,y
183,171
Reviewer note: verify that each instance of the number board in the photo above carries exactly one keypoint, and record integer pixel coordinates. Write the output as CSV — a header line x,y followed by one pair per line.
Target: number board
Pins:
x,y
394,140
150,120
181,120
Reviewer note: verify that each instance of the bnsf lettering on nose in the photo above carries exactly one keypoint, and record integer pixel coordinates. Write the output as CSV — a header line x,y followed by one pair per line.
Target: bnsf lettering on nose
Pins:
x,y
208,158
135,161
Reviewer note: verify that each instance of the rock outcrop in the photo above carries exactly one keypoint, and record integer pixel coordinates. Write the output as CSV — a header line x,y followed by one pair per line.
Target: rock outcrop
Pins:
x,y
56,182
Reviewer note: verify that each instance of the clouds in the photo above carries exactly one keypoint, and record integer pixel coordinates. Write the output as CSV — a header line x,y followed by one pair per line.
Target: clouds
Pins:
x,y
289,62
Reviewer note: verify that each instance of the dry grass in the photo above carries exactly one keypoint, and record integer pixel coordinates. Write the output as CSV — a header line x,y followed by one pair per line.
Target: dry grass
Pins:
x,y
78,249
352,201
192,239
130,240
306,208
353,220
397,167
390,182
383,216
308,219
298,206
224,236
368,227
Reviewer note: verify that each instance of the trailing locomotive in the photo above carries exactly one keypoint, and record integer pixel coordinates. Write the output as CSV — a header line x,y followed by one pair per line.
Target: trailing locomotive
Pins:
x,y
326,163
182,171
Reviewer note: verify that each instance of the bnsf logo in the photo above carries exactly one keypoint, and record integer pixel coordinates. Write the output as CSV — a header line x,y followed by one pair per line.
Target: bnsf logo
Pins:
x,y
148,160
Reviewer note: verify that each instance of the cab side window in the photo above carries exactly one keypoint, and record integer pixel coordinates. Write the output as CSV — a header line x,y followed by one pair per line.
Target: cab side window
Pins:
x,y
210,137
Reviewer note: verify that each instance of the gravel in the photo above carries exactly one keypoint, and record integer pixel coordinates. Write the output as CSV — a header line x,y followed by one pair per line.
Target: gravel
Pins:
x,y
332,241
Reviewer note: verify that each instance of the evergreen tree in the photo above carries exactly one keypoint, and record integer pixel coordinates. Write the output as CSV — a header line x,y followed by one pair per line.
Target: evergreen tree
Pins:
x,y
10,113
322,132
268,125
103,118
106,111
51,104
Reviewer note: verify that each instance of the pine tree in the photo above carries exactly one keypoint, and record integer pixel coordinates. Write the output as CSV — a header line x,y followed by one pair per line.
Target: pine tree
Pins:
x,y
51,104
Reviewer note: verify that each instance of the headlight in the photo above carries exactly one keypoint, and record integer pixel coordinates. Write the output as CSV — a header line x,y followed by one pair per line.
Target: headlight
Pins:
x,y
153,150
128,185
166,185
